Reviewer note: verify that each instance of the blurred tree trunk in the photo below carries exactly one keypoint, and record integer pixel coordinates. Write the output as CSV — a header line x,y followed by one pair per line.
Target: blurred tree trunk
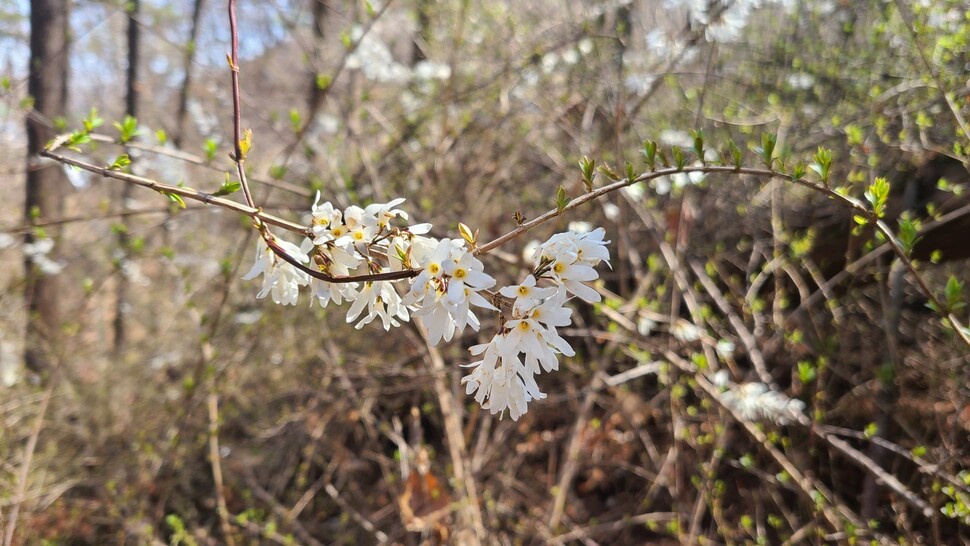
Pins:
x,y
46,183
187,62
122,305
317,90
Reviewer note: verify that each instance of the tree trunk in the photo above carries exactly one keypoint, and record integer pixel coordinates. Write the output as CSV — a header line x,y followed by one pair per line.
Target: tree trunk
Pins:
x,y
189,58
46,184
124,244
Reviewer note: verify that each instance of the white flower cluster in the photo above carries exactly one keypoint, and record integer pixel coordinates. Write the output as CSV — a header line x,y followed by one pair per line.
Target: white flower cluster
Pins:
x,y
757,402
450,281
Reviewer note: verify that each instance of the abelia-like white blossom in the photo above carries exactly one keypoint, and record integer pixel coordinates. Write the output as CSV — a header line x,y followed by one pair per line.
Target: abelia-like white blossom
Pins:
x,y
447,285
570,258
382,301
280,278
757,402
500,380
527,345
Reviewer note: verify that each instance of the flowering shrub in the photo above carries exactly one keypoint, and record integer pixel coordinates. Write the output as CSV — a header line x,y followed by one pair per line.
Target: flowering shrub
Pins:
x,y
449,282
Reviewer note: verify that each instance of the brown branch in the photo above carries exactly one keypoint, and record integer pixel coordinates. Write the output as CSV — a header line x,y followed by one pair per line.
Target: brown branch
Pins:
x,y
238,155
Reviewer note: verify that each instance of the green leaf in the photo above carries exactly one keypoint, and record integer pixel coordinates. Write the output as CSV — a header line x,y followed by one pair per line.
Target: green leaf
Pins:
x,y
679,159
210,148
767,149
324,81
128,128
631,173
120,162
608,171
586,168
161,136
228,187
93,121
954,294
561,199
822,164
650,153
175,198
698,136
276,172
908,232
736,153
806,372
877,194
296,121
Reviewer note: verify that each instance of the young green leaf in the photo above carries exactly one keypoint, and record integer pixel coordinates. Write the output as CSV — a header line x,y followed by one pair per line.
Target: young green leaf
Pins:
x,y
467,235
246,143
586,167
908,233
561,199
120,162
954,294
822,164
698,136
679,159
877,194
177,199
210,148
228,187
650,153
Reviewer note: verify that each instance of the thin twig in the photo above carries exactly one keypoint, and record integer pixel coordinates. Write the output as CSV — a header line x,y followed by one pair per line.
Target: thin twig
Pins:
x,y
238,157
25,467
214,461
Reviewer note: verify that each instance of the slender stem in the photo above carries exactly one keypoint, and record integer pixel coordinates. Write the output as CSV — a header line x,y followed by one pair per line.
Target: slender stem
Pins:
x,y
238,156
181,191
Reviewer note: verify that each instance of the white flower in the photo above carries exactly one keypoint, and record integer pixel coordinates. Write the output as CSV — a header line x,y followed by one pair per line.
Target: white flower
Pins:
x,y
381,301
724,349
756,402
7,240
685,331
447,285
280,278
570,258
381,214
527,295
500,380
38,248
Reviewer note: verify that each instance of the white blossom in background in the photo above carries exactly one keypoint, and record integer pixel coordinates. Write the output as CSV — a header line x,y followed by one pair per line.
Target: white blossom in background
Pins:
x,y
801,81
756,402
37,251
373,58
724,349
11,367
683,330
430,70
7,240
